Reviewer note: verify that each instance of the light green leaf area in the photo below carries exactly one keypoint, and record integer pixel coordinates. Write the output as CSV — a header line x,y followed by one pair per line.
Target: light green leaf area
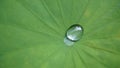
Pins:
x,y
32,33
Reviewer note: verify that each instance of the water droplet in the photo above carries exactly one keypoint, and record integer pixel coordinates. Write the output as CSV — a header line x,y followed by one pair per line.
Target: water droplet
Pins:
x,y
73,34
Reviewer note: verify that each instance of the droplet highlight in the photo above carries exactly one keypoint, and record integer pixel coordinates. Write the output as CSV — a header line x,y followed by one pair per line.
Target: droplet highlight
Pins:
x,y
73,34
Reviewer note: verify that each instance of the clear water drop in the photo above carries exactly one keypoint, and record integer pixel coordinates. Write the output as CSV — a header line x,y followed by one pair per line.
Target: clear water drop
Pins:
x,y
73,34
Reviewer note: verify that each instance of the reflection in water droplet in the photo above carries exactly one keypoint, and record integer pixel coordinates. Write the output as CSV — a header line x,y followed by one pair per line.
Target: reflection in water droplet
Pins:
x,y
73,34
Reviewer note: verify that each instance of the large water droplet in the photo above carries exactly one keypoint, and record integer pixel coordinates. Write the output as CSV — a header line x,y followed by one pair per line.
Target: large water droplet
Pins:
x,y
73,34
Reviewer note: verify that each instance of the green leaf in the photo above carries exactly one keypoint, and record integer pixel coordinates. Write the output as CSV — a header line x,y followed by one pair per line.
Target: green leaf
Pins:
x,y
32,33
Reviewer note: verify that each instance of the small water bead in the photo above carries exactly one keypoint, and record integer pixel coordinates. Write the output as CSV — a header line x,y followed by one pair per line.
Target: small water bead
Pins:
x,y
73,34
